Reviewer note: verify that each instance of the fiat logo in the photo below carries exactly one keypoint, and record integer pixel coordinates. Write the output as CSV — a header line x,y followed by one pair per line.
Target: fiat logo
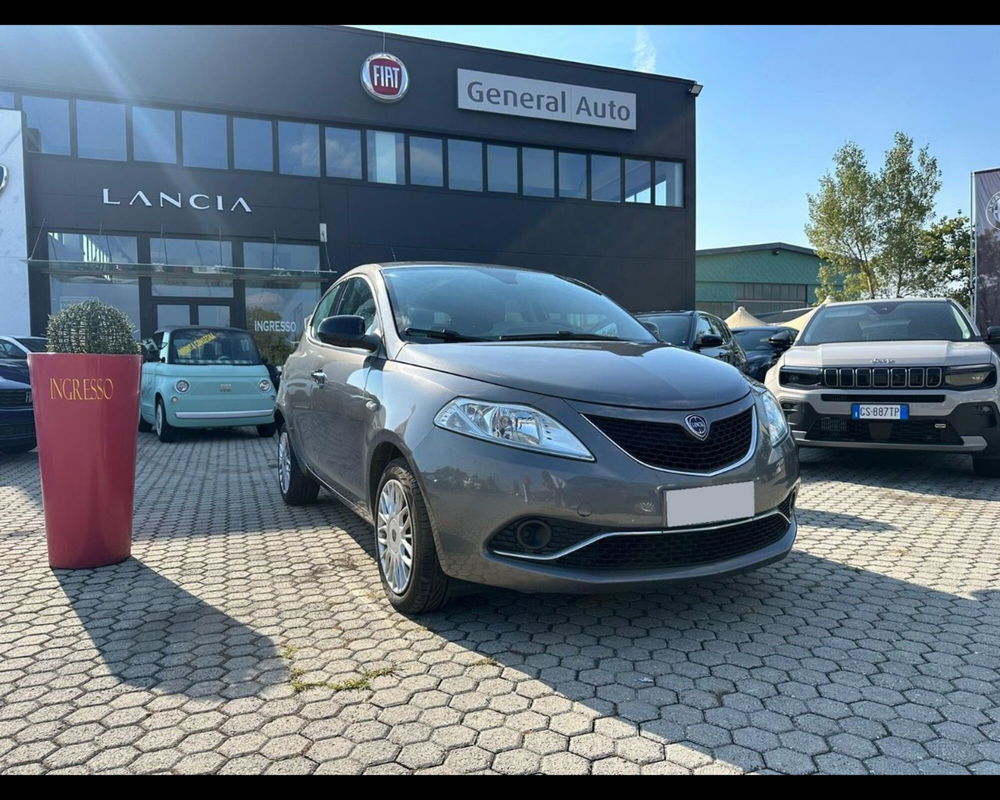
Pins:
x,y
384,77
697,426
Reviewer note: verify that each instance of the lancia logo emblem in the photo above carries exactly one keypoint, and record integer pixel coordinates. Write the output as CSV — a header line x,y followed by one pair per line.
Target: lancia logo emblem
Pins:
x,y
697,426
384,77
3,177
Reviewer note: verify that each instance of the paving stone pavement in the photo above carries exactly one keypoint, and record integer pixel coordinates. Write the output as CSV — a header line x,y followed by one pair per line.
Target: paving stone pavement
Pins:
x,y
245,636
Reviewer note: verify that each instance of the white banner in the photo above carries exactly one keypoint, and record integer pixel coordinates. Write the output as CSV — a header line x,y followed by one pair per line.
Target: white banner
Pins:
x,y
527,97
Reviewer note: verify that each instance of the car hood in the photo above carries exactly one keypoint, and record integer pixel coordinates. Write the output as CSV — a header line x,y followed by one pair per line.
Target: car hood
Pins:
x,y
905,354
14,370
609,373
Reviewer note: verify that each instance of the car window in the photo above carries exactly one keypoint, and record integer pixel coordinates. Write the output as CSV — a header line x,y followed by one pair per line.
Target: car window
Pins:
x,y
7,350
36,344
887,320
723,329
673,328
703,326
358,301
326,305
212,346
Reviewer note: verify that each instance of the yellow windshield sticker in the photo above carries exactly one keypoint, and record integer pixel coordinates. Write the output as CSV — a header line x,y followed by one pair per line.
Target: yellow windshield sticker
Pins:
x,y
201,341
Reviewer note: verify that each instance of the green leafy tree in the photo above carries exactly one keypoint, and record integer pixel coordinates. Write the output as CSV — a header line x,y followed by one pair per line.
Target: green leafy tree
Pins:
x,y
866,226
942,261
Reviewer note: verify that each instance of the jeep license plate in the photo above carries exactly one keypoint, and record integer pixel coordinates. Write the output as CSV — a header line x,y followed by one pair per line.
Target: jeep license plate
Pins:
x,y
880,411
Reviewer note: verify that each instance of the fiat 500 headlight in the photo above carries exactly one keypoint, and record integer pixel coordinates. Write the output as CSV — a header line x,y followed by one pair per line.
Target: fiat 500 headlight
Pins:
x,y
264,385
774,418
512,425
182,386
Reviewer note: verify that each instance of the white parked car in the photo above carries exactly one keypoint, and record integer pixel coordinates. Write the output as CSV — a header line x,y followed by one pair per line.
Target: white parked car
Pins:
x,y
19,346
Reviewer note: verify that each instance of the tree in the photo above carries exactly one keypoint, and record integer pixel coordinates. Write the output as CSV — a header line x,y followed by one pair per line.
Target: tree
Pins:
x,y
867,226
942,261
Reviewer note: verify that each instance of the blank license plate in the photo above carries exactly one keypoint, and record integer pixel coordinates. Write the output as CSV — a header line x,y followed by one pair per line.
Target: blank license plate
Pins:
x,y
880,411
709,504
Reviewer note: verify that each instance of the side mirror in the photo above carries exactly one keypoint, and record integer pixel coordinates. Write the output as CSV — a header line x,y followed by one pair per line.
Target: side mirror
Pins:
x,y
781,341
652,327
347,330
150,354
992,334
707,340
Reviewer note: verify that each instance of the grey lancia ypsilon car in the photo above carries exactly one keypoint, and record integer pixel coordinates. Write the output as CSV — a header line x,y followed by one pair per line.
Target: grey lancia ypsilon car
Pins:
x,y
514,428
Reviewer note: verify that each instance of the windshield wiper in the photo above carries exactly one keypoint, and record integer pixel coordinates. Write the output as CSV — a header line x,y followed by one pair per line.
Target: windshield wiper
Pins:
x,y
445,334
554,335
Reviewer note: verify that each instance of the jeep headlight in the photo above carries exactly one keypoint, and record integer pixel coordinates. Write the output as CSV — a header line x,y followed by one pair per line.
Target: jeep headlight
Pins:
x,y
774,418
518,426
968,377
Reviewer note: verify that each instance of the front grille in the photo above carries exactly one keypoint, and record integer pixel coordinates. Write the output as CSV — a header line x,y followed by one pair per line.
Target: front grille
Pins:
x,y
668,445
23,429
14,398
678,548
907,431
883,377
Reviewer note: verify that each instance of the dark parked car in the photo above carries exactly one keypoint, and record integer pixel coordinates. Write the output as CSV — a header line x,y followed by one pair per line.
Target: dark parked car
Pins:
x,y
17,418
509,427
756,343
699,331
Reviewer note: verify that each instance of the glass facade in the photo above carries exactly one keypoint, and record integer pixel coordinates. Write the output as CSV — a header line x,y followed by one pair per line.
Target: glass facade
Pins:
x,y
343,153
638,181
253,144
100,130
185,286
538,172
278,255
122,293
573,175
154,135
426,161
501,168
298,148
465,165
191,252
93,248
606,179
276,313
47,124
204,140
669,184
386,157
6,100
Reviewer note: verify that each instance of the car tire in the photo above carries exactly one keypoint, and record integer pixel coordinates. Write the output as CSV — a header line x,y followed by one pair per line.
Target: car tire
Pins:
x,y
165,432
297,488
402,524
266,431
16,449
986,467
144,427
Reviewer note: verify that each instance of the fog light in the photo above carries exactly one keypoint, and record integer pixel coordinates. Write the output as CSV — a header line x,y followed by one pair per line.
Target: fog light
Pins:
x,y
533,534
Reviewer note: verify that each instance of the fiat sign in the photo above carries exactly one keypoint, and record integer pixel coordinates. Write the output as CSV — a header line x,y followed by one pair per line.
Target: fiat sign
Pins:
x,y
384,77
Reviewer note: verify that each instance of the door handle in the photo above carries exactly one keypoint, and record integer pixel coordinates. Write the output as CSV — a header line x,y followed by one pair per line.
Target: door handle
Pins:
x,y
319,376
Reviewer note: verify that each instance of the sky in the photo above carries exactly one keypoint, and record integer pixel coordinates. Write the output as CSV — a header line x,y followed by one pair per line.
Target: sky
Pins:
x,y
780,100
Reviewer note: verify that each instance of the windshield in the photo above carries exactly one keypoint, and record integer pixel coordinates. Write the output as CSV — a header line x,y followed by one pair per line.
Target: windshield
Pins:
x,y
201,346
888,320
495,303
35,344
674,328
756,340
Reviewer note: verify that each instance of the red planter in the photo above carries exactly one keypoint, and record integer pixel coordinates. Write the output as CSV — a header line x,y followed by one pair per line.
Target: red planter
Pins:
x,y
86,420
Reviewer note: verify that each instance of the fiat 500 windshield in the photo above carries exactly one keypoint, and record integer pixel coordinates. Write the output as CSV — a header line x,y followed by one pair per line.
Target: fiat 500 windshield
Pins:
x,y
433,304
882,321
208,346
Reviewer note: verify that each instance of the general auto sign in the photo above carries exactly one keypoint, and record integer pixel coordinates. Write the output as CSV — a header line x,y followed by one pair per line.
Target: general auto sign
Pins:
x,y
527,97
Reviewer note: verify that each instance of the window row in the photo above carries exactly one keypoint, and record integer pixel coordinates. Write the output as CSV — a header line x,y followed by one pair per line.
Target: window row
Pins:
x,y
773,291
106,249
114,131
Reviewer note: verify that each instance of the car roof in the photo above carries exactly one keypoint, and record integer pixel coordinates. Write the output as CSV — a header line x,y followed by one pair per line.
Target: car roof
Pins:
x,y
661,313
891,300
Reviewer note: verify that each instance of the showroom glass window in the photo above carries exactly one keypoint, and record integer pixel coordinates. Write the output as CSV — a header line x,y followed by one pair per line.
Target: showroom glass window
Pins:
x,y
122,293
191,252
93,248
154,135
47,122
465,165
276,314
668,184
203,140
253,144
6,100
426,161
343,153
100,130
501,168
573,175
298,148
272,255
638,181
538,172
386,157
606,179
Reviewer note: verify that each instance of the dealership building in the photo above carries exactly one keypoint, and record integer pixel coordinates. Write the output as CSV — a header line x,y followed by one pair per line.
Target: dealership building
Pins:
x,y
227,175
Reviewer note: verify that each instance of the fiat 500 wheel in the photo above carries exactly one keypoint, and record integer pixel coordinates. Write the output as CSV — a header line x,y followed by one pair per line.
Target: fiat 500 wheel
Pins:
x,y
404,544
164,430
297,488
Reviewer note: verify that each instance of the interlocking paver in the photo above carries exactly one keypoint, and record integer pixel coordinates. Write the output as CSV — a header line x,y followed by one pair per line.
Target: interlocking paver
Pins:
x,y
874,648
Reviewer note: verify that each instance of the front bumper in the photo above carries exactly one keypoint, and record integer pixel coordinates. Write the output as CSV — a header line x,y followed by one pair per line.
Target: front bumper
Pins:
x,y
497,486
17,426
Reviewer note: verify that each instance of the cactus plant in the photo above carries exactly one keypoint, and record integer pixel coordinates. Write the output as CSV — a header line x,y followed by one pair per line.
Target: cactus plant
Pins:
x,y
92,327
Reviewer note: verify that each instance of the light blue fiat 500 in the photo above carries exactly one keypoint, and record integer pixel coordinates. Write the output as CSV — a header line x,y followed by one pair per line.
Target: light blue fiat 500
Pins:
x,y
197,376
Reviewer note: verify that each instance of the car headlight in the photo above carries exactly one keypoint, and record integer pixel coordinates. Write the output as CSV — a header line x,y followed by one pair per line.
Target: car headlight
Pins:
x,y
264,385
511,425
800,376
966,377
182,386
774,418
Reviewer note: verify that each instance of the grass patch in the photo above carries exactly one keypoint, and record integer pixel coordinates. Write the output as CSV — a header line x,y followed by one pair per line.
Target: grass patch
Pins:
x,y
485,662
362,682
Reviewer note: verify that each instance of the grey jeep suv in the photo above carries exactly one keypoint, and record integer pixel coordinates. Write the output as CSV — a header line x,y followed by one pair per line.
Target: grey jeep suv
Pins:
x,y
907,374
509,427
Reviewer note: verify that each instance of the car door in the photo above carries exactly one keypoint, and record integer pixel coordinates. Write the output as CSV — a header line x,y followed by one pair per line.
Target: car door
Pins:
x,y
150,373
734,353
342,406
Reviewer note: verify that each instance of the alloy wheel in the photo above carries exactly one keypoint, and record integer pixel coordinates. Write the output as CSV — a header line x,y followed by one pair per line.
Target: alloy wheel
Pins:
x,y
284,463
394,536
